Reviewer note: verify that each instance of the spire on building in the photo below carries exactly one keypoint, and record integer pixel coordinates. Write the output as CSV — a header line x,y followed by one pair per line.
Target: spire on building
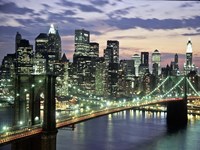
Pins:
x,y
52,29
189,46
64,59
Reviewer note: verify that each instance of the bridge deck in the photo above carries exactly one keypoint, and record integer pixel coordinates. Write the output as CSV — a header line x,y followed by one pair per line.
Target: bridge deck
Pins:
x,y
26,132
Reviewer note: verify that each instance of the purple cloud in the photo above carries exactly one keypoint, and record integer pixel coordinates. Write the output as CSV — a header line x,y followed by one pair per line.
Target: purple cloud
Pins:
x,y
12,8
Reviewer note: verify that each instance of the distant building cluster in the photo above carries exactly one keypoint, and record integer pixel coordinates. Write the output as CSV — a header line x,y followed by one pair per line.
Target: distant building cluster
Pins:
x,y
106,76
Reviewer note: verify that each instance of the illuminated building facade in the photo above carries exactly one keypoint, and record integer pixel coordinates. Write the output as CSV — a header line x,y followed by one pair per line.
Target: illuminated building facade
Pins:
x,y
82,44
18,38
41,44
111,57
188,65
100,76
84,61
62,80
24,57
137,61
54,44
144,66
156,59
94,50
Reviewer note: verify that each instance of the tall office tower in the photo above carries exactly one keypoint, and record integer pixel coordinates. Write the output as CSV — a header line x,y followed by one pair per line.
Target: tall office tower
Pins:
x,y
17,41
54,44
111,57
82,44
62,79
41,43
94,50
128,68
156,63
145,58
126,77
173,70
137,61
24,57
188,65
148,83
112,51
176,58
100,77
41,54
83,60
7,69
144,66
174,66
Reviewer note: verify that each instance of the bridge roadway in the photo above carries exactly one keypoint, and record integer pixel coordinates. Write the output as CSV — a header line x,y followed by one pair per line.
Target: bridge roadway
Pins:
x,y
8,137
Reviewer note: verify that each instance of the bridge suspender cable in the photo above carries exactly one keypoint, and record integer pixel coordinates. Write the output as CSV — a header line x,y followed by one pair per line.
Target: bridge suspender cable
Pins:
x,y
174,86
192,87
156,88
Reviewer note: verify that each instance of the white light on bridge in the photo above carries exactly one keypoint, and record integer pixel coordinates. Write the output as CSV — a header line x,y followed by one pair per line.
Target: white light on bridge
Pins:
x,y
36,118
20,122
5,128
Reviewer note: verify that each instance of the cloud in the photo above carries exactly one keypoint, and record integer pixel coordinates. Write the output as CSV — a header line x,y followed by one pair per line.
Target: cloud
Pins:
x,y
63,17
7,32
82,7
99,2
186,5
119,13
12,8
151,24
46,6
191,34
130,37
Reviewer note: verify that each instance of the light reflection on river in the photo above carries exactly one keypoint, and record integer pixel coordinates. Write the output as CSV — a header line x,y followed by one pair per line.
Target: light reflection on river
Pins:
x,y
129,130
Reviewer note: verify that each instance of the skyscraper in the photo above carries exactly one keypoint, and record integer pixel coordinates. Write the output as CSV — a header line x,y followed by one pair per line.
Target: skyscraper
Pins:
x,y
137,61
17,40
54,44
82,44
84,60
144,66
156,63
41,43
189,66
176,58
24,57
111,53
94,50
111,57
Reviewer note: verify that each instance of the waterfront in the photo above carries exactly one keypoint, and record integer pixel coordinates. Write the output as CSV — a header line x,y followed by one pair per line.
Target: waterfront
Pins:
x,y
127,130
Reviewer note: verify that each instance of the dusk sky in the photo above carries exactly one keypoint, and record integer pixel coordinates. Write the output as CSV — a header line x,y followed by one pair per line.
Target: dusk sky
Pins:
x,y
137,25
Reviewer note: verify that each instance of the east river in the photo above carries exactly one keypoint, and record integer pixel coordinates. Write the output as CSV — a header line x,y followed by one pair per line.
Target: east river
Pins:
x,y
127,130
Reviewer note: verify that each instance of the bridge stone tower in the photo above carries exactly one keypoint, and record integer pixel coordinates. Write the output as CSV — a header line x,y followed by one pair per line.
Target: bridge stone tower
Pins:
x,y
27,110
177,112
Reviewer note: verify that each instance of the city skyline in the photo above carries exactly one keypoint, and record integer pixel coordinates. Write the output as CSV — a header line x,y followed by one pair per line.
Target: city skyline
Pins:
x,y
139,26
